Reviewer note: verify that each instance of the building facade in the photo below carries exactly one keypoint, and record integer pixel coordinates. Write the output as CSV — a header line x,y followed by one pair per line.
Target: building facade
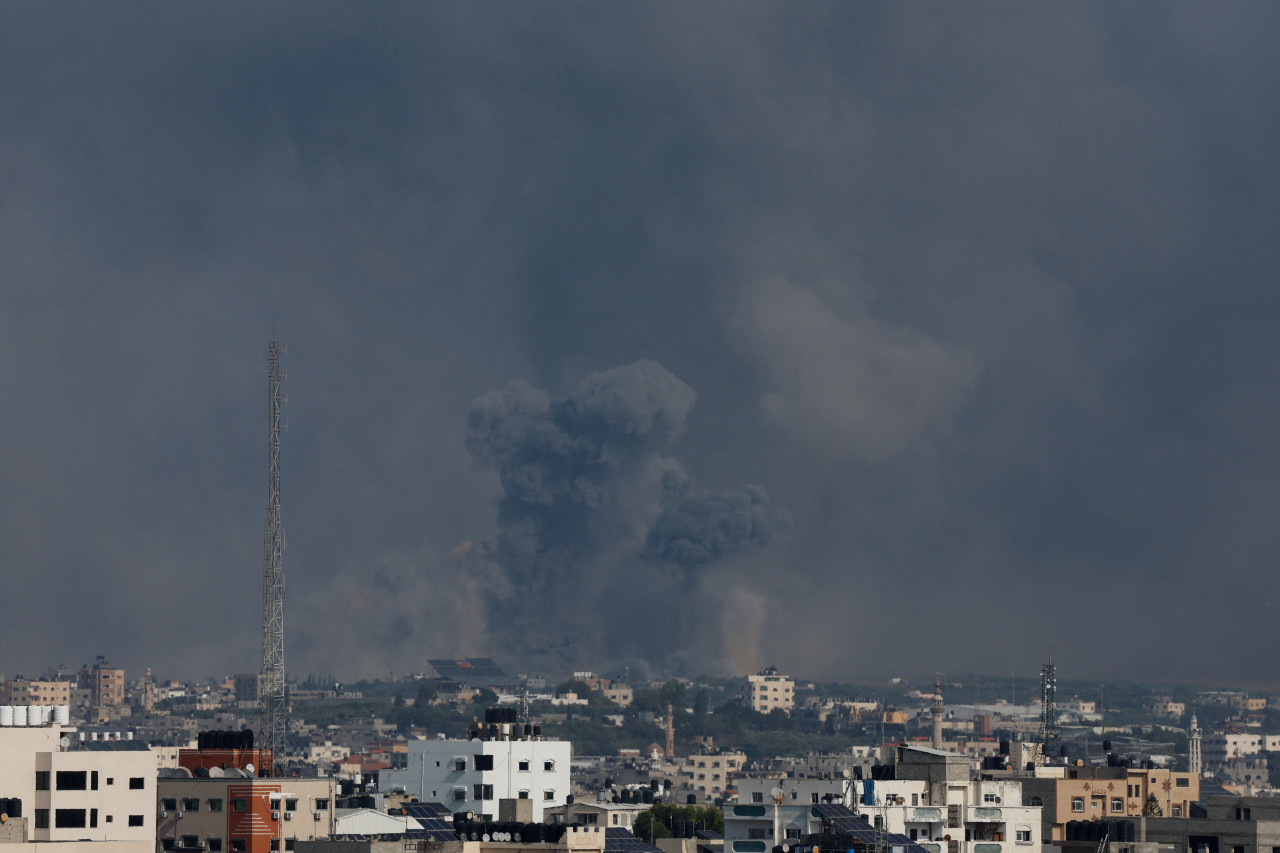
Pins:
x,y
237,813
769,691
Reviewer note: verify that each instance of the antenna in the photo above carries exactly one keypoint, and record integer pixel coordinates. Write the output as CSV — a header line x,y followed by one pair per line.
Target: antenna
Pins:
x,y
1048,708
272,713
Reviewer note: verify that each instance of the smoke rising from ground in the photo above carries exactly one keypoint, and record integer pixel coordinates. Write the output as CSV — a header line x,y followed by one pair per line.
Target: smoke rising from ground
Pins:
x,y
592,499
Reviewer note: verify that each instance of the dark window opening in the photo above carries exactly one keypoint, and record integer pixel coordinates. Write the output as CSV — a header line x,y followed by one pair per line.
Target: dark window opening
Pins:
x,y
72,780
69,818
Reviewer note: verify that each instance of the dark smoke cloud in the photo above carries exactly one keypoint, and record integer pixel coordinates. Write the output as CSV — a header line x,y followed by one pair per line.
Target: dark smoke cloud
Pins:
x,y
588,487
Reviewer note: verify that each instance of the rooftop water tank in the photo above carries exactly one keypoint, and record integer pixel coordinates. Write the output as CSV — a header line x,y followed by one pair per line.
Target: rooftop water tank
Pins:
x,y
6,715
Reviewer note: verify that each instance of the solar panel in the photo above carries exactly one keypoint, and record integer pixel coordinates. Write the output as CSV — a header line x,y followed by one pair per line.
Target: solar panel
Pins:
x,y
436,829
620,840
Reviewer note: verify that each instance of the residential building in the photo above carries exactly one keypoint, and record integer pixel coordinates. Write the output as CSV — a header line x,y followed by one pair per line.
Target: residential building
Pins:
x,y
503,759
711,774
235,812
1219,747
596,814
1106,793
23,692
62,789
769,690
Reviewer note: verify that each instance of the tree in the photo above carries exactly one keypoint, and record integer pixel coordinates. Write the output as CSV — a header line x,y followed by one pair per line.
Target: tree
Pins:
x,y
1151,808
426,694
573,685
486,698
658,821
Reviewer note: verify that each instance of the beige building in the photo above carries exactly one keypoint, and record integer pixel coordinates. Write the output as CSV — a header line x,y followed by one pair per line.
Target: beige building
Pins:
x,y
711,774
769,690
94,792
620,696
1103,793
236,813
22,692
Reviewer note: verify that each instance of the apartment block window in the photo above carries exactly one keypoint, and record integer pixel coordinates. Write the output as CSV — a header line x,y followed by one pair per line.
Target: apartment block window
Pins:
x,y
93,818
215,805
111,818
523,766
1024,835
291,805
71,780
990,798
481,792
169,804
237,845
111,780
42,780
1182,782
548,794
135,820
137,783
459,794
524,795
1176,811
93,780
190,842
191,804
322,804
42,818
484,762
1077,804
548,766
459,763
915,799
239,805
288,844
1117,804
275,845
215,845
1035,802
813,798
757,796
755,832
166,844
69,818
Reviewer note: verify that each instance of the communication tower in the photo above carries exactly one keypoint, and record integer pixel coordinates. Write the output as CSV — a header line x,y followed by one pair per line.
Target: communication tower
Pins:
x,y
1048,709
272,714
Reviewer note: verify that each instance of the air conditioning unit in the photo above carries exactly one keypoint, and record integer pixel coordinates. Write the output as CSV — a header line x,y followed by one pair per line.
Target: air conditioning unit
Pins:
x,y
319,815
164,814
275,815
179,814
288,815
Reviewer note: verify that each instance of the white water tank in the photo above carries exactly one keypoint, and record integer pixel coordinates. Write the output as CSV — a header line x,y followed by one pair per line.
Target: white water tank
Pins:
x,y
19,715
6,715
61,715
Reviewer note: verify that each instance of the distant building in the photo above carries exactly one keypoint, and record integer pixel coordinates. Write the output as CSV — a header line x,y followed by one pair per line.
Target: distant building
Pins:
x,y
769,690
23,692
499,762
105,684
709,775
1107,793
238,813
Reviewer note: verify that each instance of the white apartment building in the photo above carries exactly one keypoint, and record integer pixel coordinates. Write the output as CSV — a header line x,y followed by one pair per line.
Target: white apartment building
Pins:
x,y
1219,747
711,774
94,792
473,775
769,690
932,802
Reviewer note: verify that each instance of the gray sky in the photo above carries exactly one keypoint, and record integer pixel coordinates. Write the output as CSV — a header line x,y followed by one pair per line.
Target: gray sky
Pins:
x,y
850,338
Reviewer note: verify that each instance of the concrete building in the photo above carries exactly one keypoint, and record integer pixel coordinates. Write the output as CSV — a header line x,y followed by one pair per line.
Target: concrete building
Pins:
x,y
23,692
596,814
769,690
106,684
497,763
1219,747
65,790
237,813
709,775
1105,793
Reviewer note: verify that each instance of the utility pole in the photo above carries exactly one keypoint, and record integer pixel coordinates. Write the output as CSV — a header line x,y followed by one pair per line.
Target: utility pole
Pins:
x,y
272,711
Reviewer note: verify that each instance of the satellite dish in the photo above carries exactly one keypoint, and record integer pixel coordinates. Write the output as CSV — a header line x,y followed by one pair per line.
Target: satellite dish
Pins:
x,y
778,795
216,773
249,768
65,742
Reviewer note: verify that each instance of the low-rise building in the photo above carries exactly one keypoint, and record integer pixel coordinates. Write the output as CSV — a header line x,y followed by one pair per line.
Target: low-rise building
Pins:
x,y
769,691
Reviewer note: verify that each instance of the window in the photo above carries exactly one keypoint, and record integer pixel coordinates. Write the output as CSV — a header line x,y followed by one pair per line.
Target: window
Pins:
x,y
322,804
137,783
990,798
69,818
111,818
484,762
813,798
42,818
1117,804
755,832
1024,835
459,794
166,843
459,764
239,805
291,805
548,766
524,765
215,805
1182,782
481,792
93,818
190,842
792,832
215,845
275,844
915,799
288,844
914,834
42,780
191,804
524,794
72,780
548,794
757,796
1176,812
111,780
237,845
1077,804
94,783
1035,802
169,804
135,820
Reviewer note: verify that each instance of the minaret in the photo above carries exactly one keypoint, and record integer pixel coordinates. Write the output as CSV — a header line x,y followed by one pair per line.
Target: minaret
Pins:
x,y
936,710
1193,747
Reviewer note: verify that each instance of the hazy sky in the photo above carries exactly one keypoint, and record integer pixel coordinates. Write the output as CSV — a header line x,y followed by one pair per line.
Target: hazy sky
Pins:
x,y
852,338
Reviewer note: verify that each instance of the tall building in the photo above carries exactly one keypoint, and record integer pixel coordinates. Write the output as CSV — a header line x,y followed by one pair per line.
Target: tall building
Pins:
x,y
937,711
105,683
503,760
769,690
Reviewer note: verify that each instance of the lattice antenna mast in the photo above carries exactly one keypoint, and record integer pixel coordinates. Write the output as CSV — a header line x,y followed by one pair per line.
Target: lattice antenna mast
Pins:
x,y
1048,708
273,716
